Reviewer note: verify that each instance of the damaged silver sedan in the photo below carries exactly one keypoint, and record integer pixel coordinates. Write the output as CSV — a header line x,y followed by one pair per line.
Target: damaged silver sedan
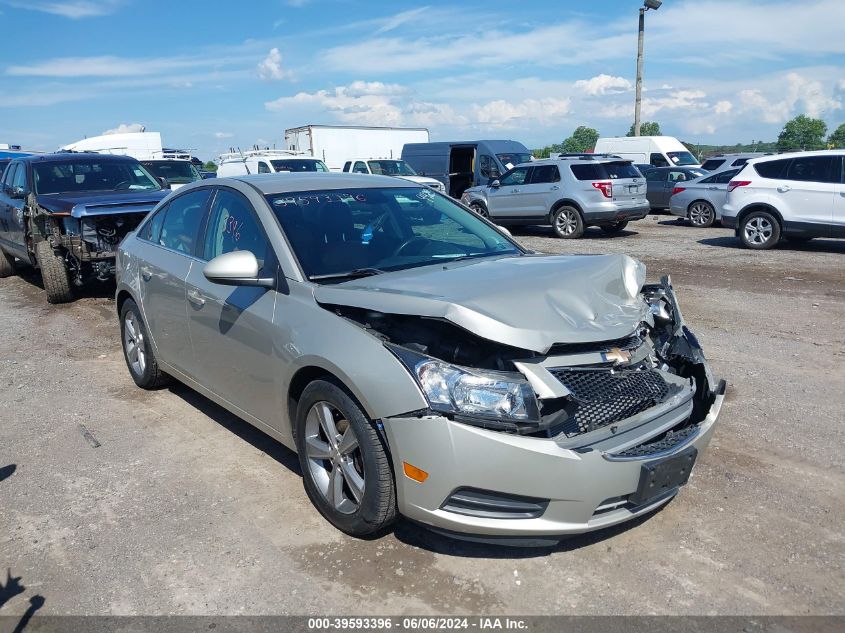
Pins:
x,y
418,360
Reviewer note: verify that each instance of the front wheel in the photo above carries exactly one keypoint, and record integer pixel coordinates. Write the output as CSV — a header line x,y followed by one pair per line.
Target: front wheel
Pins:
x,y
53,273
345,467
759,230
616,227
567,223
701,214
480,209
7,264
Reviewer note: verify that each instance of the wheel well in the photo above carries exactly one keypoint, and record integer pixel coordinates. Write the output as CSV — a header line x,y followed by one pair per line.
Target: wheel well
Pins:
x,y
566,203
689,206
758,207
480,203
122,296
301,379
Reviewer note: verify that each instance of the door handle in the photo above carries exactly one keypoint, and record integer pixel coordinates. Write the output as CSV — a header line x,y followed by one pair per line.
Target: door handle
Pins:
x,y
514,190
196,298
146,273
784,188
712,188
555,187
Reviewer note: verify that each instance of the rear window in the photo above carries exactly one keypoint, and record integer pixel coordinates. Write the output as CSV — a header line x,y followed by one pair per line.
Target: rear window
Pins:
x,y
605,171
772,168
713,163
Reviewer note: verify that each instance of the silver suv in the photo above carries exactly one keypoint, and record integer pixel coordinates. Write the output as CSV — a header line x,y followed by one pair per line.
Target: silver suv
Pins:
x,y
571,193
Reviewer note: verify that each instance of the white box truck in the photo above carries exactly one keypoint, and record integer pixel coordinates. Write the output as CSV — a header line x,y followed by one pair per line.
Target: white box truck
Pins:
x,y
659,151
335,144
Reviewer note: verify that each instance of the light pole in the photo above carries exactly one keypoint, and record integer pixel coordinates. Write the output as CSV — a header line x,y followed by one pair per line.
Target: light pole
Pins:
x,y
647,4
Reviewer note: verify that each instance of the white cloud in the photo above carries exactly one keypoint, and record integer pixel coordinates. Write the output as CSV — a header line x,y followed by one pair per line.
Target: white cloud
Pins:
x,y
112,66
500,113
73,9
809,96
604,84
271,66
723,107
395,21
126,127
222,135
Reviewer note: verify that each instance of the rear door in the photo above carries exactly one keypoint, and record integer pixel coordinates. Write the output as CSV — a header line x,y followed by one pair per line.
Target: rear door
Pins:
x,y
656,187
809,187
231,326
166,248
506,199
838,228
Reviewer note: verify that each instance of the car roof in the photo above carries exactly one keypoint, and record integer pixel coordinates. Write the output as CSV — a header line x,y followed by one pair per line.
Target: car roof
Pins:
x,y
291,182
76,156
682,167
820,152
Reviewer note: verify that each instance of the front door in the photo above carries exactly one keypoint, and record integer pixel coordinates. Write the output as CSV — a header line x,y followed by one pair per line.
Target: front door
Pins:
x,y
231,326
809,189
838,228
506,200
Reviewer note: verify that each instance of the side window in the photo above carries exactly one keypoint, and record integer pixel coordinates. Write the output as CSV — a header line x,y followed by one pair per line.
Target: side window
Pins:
x,y
182,222
725,176
709,181
19,179
658,160
232,226
360,168
772,168
654,175
152,229
544,174
739,162
811,169
264,168
487,167
677,176
515,176
9,175
347,165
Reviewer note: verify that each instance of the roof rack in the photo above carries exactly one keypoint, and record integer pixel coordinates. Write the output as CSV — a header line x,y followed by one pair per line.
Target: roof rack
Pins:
x,y
254,153
583,156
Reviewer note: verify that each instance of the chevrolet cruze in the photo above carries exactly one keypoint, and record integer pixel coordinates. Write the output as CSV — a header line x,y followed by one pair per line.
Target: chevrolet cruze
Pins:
x,y
419,360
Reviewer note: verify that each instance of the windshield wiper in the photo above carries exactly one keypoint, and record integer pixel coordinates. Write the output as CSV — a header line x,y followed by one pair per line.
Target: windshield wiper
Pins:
x,y
349,274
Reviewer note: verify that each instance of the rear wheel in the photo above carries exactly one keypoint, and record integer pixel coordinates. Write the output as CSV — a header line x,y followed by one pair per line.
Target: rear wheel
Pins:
x,y
345,467
137,350
480,209
616,227
567,222
7,264
759,230
701,214
53,273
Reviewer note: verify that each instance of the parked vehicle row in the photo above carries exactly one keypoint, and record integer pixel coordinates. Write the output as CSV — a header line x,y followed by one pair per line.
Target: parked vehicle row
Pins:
x,y
406,348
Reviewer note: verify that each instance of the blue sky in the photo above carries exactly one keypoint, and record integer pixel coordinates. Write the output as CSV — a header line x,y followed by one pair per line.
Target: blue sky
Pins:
x,y
209,75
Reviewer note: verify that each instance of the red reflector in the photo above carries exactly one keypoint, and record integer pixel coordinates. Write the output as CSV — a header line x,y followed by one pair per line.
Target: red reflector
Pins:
x,y
605,187
678,190
733,184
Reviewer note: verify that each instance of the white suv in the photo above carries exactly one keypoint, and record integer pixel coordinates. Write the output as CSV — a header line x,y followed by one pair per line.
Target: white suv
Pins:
x,y
391,167
798,196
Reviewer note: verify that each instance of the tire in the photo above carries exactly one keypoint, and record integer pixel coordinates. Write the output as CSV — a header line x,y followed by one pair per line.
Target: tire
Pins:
x,y
701,214
616,227
53,273
137,350
7,264
759,230
480,209
348,479
567,223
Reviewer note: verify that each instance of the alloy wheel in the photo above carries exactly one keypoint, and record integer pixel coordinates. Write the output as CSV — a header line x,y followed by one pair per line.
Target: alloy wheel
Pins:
x,y
758,230
133,343
334,457
566,222
701,214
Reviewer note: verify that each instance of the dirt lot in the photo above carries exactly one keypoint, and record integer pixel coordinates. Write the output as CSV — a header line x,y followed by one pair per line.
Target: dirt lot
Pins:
x,y
182,508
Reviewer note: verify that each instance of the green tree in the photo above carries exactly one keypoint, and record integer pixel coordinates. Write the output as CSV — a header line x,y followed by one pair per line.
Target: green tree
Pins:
x,y
837,137
802,132
583,139
647,128
209,166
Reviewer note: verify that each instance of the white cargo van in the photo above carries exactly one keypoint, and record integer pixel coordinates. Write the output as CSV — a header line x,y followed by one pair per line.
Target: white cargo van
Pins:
x,y
659,151
266,161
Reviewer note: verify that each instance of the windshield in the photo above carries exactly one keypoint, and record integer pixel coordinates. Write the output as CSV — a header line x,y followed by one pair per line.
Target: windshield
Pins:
x,y
177,172
340,234
92,175
299,164
391,168
513,159
682,158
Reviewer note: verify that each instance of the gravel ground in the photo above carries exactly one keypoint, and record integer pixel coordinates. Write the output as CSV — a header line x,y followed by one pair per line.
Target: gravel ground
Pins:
x,y
183,509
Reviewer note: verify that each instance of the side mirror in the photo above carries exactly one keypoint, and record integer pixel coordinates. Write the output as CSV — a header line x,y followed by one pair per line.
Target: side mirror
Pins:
x,y
495,183
163,182
504,230
238,268
17,193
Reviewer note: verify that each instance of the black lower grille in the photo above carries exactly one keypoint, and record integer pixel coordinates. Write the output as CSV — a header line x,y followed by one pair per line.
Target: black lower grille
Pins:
x,y
494,505
666,442
605,396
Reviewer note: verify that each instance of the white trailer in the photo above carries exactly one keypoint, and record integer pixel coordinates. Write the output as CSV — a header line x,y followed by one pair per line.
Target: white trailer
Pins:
x,y
335,144
139,145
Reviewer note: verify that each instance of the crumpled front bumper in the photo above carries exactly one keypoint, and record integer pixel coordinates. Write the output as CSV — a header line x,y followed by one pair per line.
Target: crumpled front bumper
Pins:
x,y
576,482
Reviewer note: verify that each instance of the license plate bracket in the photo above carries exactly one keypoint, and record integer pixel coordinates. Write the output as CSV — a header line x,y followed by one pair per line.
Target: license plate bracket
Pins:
x,y
660,476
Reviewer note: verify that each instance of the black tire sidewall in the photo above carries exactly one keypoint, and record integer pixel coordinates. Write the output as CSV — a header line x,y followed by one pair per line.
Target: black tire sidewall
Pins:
x,y
480,209
772,241
616,227
377,508
7,264
579,227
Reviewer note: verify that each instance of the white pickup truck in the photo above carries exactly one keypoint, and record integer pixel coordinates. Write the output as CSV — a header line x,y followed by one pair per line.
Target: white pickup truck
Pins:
x,y
391,167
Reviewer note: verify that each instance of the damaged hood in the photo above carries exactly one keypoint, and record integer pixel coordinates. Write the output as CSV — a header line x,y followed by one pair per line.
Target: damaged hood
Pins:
x,y
128,201
531,302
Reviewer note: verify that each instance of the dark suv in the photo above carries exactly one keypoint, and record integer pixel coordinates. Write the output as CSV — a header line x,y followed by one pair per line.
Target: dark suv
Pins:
x,y
66,213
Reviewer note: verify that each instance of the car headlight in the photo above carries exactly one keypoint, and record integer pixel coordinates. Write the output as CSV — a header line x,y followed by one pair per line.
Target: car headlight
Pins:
x,y
474,393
